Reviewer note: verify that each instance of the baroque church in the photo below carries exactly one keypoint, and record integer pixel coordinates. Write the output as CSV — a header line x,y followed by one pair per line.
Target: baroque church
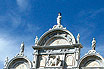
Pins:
x,y
57,49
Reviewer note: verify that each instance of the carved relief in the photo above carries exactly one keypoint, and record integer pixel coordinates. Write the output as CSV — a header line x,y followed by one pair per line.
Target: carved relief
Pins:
x,y
70,60
59,42
42,61
54,61
57,34
21,66
50,60
93,64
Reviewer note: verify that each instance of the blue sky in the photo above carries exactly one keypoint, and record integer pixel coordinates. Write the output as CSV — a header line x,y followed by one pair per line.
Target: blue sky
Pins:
x,y
22,20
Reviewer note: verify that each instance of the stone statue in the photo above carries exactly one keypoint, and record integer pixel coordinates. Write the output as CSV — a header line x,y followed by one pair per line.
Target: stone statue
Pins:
x,y
59,19
22,49
58,22
93,44
6,62
36,41
78,38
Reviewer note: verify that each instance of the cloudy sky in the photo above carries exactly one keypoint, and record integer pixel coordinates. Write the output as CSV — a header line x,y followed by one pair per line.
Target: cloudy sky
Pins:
x,y
22,20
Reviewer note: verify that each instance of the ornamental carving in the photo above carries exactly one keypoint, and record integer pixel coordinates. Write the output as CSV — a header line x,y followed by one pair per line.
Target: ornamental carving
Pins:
x,y
57,35
54,61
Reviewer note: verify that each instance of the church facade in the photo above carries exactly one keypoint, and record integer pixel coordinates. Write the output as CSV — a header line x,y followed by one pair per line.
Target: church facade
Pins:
x,y
57,49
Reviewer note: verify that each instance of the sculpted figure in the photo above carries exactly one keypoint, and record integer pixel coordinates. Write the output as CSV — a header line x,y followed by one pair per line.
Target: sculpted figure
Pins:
x,y
22,49
93,44
50,62
59,19
47,61
36,41
56,61
78,38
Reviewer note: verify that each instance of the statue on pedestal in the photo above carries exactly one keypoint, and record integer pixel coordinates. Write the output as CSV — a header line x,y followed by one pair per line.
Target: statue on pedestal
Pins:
x,y
59,19
58,22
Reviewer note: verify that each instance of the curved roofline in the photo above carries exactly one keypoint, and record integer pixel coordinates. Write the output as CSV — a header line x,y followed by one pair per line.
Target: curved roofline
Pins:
x,y
61,29
87,55
18,57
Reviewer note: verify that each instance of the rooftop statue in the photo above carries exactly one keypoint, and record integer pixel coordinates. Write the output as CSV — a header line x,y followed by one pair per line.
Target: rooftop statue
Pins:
x,y
78,38
22,49
58,22
36,41
59,19
93,44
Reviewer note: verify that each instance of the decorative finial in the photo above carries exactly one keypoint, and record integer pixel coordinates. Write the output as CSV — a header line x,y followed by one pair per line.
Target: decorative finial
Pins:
x,y
6,62
59,19
22,49
93,44
36,41
78,38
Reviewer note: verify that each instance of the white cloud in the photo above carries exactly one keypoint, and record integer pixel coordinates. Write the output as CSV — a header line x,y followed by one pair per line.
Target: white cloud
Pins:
x,y
10,20
97,12
22,4
32,28
15,18
8,47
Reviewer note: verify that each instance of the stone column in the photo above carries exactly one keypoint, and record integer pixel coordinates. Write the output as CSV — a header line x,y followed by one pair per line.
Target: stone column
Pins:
x,y
63,62
35,59
77,56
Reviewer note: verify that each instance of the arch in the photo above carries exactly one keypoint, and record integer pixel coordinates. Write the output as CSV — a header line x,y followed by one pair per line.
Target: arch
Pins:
x,y
91,60
19,61
53,32
61,39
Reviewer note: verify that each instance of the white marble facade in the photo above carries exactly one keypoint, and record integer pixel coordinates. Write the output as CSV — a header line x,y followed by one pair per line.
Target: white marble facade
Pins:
x,y
57,49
